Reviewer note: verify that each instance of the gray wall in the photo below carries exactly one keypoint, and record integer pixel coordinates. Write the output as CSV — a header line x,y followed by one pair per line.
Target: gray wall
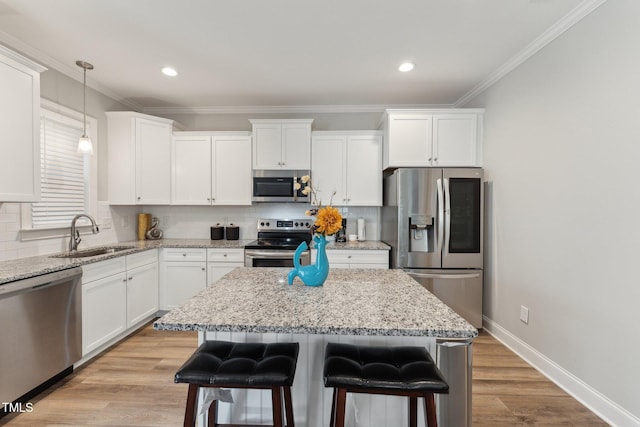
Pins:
x,y
561,153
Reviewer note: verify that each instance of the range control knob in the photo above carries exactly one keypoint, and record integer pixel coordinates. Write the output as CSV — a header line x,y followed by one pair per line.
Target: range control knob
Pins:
x,y
268,224
296,224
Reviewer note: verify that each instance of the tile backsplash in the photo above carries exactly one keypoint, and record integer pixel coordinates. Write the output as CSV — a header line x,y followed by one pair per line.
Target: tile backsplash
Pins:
x,y
193,222
119,224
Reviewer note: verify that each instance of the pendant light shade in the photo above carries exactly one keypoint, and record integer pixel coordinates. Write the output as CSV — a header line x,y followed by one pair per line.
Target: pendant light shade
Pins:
x,y
85,146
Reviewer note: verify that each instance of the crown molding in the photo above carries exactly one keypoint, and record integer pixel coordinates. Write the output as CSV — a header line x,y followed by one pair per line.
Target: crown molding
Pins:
x,y
288,109
553,32
72,72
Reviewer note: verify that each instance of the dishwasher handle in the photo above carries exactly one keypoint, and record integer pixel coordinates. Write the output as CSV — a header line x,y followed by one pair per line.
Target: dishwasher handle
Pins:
x,y
39,282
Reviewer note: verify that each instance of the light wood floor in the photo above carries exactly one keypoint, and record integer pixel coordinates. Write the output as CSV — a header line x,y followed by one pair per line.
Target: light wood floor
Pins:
x,y
131,384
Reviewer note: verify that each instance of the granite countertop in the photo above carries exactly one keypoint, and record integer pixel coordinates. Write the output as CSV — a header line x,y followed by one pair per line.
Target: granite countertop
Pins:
x,y
359,245
23,268
351,302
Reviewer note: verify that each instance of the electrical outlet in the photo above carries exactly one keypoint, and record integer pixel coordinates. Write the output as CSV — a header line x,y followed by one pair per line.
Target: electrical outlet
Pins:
x,y
524,314
107,223
124,221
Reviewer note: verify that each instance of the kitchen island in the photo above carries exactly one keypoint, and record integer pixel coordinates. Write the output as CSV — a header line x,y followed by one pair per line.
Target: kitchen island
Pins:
x,y
361,306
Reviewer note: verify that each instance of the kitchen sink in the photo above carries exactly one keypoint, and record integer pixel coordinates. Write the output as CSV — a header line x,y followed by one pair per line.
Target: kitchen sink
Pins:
x,y
93,252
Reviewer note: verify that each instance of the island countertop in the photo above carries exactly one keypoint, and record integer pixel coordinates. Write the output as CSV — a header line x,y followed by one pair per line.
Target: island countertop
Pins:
x,y
351,302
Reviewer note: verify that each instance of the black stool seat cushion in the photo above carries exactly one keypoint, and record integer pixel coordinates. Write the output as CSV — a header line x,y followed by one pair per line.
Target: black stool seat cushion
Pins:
x,y
241,364
382,368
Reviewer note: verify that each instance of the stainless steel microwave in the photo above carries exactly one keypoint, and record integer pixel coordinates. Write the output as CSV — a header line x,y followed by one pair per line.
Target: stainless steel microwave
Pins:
x,y
278,186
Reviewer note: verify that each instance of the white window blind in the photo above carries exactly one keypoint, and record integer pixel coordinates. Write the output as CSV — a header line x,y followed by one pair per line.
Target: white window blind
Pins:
x,y
64,173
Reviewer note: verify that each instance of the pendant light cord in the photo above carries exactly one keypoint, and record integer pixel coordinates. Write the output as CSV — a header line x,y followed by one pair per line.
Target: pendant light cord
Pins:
x,y
84,101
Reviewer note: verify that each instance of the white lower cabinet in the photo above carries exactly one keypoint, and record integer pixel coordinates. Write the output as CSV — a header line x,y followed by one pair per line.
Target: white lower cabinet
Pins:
x,y
142,286
353,258
183,273
117,295
222,261
104,311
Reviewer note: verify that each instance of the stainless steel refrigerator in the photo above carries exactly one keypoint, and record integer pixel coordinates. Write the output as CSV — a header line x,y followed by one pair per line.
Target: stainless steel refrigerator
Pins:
x,y
432,219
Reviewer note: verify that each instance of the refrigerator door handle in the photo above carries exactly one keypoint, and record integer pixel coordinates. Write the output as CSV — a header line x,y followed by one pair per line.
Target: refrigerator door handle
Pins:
x,y
440,214
445,276
447,215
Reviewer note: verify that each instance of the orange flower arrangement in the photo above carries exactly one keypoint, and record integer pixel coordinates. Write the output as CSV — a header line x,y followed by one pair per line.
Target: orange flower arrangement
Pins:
x,y
328,219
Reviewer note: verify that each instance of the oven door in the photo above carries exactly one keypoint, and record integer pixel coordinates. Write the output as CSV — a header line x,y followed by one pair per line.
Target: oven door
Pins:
x,y
273,258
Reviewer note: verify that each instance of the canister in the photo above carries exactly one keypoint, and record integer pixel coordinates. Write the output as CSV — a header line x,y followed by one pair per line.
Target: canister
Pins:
x,y
232,232
217,232
144,223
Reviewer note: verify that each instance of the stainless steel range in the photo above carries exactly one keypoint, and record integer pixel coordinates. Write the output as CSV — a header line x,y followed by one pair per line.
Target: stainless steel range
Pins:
x,y
277,242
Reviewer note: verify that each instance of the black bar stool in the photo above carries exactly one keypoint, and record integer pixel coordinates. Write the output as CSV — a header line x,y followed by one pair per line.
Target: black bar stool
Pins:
x,y
223,364
397,371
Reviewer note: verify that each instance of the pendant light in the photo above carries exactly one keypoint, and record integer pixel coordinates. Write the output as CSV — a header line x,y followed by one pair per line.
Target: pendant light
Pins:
x,y
85,146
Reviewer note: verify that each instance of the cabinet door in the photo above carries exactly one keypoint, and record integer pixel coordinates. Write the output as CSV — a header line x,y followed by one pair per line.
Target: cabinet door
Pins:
x,y
103,311
328,168
19,134
191,170
364,171
296,145
153,162
142,293
267,146
455,139
410,138
181,281
231,181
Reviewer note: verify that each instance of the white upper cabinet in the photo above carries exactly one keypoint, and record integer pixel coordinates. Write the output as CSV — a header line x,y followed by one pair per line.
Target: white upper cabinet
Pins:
x,y
211,168
191,170
349,164
418,138
231,181
19,128
139,158
282,144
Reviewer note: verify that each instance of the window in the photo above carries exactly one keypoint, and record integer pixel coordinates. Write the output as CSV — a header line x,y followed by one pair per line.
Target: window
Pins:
x,y
67,179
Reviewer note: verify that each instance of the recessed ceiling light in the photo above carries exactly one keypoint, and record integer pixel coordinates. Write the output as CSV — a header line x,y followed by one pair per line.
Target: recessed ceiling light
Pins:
x,y
406,66
168,71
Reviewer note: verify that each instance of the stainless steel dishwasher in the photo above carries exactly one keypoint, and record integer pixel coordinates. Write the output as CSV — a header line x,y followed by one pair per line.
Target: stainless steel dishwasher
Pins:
x,y
41,319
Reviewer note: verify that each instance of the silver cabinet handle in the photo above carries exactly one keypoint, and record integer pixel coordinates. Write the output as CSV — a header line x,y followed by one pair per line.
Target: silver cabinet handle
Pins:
x,y
202,268
130,278
184,254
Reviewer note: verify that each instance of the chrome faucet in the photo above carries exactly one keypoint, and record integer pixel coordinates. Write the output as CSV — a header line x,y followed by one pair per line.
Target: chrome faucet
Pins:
x,y
75,239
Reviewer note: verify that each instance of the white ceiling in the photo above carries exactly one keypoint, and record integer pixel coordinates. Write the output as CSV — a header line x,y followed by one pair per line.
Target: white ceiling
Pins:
x,y
284,53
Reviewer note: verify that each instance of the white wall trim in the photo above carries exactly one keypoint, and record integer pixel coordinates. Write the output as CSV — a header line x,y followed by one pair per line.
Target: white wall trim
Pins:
x,y
599,404
287,109
568,21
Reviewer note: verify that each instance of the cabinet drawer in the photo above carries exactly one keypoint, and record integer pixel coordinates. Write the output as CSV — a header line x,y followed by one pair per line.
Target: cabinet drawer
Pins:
x,y
184,254
142,258
358,257
99,270
225,255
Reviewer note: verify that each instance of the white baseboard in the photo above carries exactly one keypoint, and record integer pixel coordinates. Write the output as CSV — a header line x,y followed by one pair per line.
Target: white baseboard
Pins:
x,y
599,404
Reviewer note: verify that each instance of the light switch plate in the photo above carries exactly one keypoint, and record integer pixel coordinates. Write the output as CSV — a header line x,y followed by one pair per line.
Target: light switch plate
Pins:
x,y
524,314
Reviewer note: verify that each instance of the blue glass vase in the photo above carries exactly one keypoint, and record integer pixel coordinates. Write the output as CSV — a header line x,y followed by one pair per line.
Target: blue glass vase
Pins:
x,y
314,274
